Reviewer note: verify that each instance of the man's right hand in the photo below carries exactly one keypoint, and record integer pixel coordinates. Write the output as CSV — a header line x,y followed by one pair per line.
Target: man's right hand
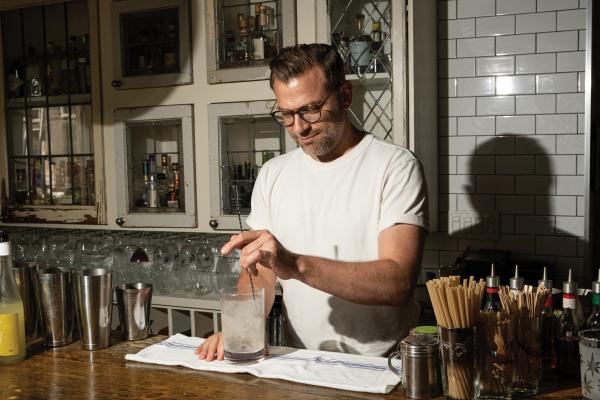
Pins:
x,y
212,348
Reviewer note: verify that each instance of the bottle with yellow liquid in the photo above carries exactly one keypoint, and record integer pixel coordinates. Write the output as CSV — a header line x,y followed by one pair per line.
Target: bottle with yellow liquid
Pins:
x,y
12,317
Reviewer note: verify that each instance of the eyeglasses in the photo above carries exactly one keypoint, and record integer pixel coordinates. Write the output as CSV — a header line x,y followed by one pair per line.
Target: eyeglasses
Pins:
x,y
310,114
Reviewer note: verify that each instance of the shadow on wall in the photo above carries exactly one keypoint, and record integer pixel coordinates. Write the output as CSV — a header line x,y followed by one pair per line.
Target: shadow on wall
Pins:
x,y
503,196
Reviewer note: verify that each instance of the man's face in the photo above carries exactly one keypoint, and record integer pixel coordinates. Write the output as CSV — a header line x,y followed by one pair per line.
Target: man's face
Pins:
x,y
319,139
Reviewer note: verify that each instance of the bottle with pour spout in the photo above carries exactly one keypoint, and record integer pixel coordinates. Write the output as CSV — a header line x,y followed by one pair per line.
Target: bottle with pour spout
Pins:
x,y
593,321
568,342
492,286
549,328
12,316
516,283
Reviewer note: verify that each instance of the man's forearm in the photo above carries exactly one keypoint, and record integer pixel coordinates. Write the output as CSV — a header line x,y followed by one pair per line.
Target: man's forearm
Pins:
x,y
382,282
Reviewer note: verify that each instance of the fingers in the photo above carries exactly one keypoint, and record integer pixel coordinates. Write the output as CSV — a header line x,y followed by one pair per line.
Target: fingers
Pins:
x,y
262,257
240,240
211,348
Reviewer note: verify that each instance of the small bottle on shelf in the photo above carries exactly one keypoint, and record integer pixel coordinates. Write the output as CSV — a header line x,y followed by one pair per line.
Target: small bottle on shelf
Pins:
x,y
359,47
593,321
173,199
376,55
243,48
163,177
12,315
568,342
259,38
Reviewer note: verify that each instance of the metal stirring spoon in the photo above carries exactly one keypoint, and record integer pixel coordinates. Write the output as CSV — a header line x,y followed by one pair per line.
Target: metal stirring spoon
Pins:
x,y
237,206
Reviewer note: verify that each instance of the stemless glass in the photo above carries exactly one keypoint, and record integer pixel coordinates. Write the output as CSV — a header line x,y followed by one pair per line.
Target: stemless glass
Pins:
x,y
243,318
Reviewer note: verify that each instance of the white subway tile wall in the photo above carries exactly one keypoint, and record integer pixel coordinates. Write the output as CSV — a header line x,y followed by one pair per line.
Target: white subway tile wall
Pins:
x,y
511,140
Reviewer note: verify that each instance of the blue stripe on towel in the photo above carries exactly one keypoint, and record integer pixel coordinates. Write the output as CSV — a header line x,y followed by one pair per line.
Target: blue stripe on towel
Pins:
x,y
176,345
333,361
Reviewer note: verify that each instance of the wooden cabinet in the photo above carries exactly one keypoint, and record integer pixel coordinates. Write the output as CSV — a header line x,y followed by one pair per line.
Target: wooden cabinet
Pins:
x,y
395,95
53,164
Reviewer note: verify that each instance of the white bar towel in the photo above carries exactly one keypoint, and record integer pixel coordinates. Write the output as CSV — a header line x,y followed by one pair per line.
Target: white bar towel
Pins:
x,y
321,368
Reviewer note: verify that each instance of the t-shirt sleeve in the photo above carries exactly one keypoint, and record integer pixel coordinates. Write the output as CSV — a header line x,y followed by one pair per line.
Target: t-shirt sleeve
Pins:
x,y
260,217
404,197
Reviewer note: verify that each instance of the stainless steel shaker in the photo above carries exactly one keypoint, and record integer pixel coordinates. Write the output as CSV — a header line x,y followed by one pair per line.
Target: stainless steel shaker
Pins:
x,y
94,301
420,372
54,292
24,277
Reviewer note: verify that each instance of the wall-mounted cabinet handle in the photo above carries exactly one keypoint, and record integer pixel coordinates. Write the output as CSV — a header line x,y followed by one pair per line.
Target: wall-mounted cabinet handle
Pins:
x,y
120,221
213,223
116,83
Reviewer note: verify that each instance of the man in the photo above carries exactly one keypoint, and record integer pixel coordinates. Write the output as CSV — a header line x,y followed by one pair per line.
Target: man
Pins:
x,y
340,222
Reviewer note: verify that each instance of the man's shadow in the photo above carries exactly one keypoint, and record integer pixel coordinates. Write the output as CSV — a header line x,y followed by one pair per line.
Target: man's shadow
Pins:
x,y
510,197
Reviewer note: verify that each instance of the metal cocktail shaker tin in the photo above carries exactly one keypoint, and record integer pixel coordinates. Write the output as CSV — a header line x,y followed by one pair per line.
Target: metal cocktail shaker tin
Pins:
x,y
420,373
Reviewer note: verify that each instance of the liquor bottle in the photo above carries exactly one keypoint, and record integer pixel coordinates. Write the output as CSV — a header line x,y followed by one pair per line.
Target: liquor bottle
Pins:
x,y
492,298
376,52
142,201
568,342
593,321
259,39
359,47
173,200
12,315
163,177
243,48
516,283
549,328
152,195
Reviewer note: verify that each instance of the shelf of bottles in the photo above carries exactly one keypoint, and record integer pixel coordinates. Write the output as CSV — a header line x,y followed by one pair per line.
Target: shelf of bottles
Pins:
x,y
248,33
361,32
247,142
155,171
150,42
245,36
48,104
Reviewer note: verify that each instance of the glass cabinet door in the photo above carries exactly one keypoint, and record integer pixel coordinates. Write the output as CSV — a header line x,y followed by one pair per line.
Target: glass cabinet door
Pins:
x,y
48,108
155,167
151,43
243,35
243,136
361,32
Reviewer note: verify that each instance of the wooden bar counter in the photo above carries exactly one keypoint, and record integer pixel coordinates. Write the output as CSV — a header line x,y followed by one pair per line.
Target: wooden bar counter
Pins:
x,y
71,373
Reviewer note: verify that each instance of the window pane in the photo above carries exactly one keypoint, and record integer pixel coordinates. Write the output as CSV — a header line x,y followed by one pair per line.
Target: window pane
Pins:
x,y
19,180
40,181
61,180
83,181
81,121
38,132
17,132
56,49
59,130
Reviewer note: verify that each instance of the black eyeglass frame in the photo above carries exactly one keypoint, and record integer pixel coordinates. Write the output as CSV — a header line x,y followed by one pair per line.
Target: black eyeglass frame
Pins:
x,y
311,108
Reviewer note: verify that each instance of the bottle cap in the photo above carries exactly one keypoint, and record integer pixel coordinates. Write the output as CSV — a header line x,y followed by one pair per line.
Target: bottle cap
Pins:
x,y
516,282
569,287
4,236
545,281
492,280
596,285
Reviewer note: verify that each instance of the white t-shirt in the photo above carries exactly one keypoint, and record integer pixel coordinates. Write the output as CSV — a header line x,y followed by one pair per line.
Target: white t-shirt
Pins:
x,y
336,210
